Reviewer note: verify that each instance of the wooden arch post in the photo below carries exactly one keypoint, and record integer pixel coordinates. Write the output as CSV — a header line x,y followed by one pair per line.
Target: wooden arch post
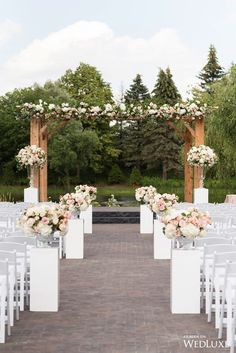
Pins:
x,y
39,137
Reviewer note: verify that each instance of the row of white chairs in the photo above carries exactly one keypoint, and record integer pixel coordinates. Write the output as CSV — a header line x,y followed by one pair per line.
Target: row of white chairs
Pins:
x,y
218,284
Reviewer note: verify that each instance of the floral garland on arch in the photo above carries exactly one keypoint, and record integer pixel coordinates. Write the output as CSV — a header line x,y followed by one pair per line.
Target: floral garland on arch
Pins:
x,y
187,110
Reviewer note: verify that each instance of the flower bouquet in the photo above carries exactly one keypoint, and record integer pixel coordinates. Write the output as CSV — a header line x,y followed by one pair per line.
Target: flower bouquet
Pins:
x,y
144,194
44,220
186,225
89,191
75,202
31,157
202,156
163,203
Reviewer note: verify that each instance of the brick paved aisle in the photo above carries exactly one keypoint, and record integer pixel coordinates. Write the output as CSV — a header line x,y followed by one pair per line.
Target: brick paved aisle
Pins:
x,y
114,301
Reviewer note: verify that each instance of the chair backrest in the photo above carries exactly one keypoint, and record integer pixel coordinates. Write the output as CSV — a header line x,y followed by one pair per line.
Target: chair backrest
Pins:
x,y
4,268
21,240
19,248
221,258
218,248
8,255
211,241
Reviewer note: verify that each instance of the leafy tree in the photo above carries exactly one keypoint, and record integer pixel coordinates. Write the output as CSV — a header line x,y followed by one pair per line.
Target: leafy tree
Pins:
x,y
212,71
85,84
161,145
137,92
115,175
221,124
135,176
74,151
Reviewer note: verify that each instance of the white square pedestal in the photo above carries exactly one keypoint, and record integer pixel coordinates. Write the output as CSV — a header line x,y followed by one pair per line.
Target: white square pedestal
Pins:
x,y
200,195
185,281
146,220
74,239
44,279
162,245
87,216
31,195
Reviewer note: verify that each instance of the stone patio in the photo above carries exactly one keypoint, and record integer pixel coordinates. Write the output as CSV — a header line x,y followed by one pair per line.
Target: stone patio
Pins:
x,y
116,300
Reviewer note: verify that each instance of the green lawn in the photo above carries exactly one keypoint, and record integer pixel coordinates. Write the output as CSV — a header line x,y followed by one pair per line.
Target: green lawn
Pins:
x,y
217,190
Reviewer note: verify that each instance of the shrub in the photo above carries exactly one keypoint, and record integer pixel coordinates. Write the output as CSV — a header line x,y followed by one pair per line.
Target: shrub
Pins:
x,y
135,176
115,175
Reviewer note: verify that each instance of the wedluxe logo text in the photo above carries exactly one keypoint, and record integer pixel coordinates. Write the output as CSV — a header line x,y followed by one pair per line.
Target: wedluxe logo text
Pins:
x,y
201,341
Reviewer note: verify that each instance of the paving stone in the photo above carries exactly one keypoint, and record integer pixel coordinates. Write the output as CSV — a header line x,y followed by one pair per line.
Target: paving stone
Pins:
x,y
116,300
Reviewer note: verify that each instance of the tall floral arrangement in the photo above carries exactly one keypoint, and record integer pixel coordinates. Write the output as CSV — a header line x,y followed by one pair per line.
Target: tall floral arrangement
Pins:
x,y
44,220
31,156
144,194
187,224
202,156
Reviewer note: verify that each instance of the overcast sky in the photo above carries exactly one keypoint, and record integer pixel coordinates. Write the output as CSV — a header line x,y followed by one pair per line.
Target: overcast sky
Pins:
x,y
40,39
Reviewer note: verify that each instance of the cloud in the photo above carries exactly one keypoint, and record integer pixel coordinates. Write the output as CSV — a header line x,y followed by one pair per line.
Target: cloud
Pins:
x,y
119,58
8,29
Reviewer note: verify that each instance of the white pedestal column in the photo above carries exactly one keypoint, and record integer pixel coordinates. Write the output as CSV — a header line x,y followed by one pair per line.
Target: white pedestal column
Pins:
x,y
185,281
31,195
146,220
74,239
44,279
87,216
200,195
162,245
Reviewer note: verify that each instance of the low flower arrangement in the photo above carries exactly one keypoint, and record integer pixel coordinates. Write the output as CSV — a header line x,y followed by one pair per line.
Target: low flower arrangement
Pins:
x,y
163,203
44,220
75,202
188,224
31,156
144,194
202,156
90,191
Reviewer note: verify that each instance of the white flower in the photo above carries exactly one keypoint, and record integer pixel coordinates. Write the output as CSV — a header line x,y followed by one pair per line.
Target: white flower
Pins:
x,y
170,231
190,231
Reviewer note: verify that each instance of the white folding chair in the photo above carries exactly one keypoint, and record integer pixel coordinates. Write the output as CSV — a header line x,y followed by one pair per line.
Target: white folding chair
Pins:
x,y
21,260
4,300
228,295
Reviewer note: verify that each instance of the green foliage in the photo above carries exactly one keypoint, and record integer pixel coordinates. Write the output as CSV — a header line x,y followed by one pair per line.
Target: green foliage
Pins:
x,y
161,146
74,151
137,92
135,176
115,175
6,197
85,84
165,90
212,71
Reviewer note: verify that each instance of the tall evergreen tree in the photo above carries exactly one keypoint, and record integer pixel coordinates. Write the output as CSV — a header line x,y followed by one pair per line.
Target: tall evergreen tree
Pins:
x,y
165,90
212,71
137,92
161,145
132,143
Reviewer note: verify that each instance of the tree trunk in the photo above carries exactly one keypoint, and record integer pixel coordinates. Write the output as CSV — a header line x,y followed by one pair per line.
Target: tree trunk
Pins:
x,y
164,170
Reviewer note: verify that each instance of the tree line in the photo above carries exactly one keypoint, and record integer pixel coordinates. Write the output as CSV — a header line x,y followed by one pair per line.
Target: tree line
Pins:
x,y
92,151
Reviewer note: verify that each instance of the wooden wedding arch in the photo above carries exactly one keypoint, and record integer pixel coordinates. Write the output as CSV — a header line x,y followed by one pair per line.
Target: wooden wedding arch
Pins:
x,y
192,133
